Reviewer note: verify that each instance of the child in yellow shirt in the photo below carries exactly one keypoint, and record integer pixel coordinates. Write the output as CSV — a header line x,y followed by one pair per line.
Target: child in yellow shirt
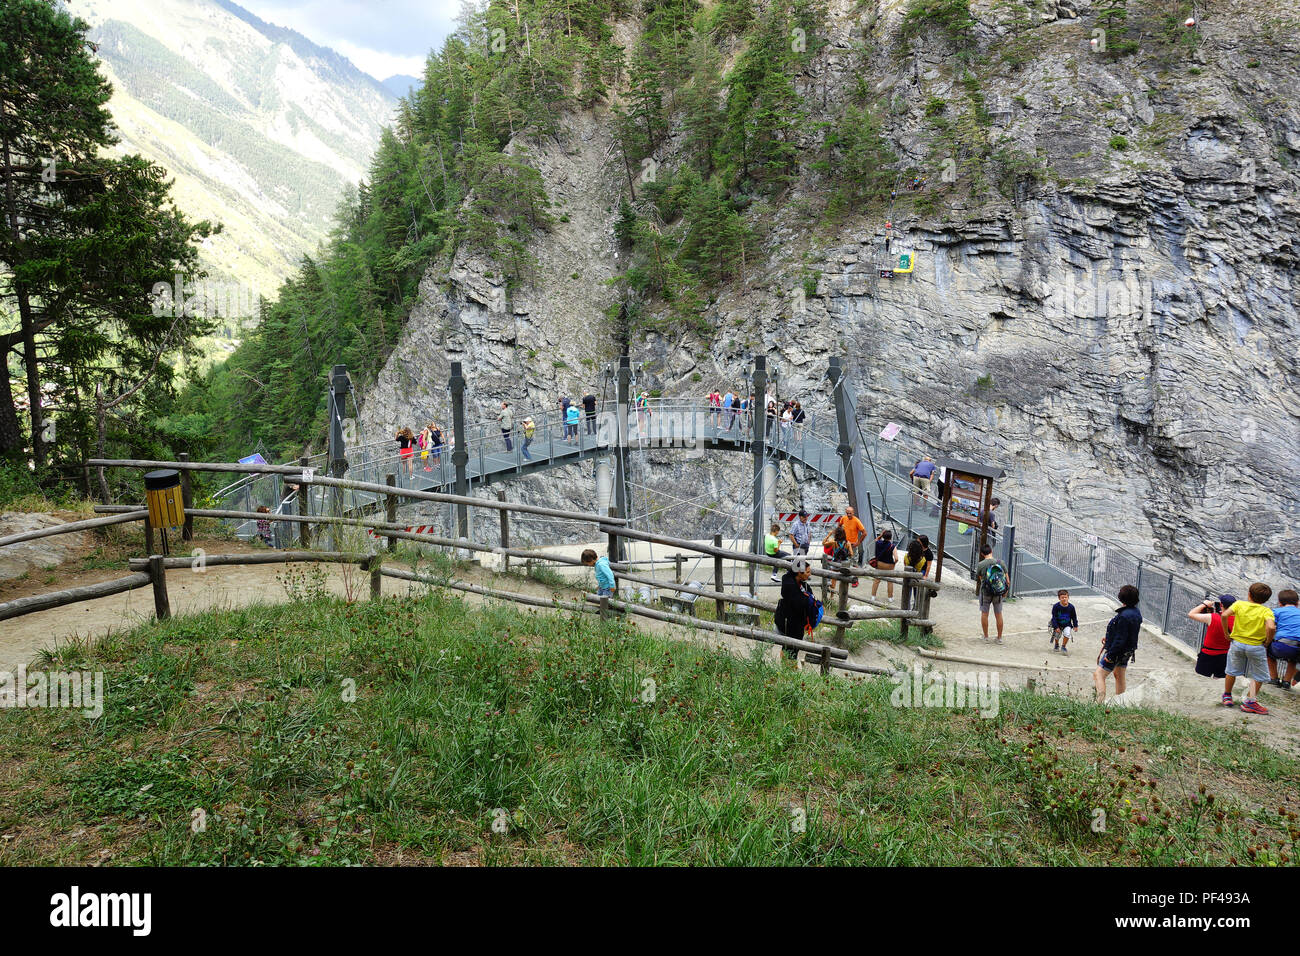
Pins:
x,y
1252,630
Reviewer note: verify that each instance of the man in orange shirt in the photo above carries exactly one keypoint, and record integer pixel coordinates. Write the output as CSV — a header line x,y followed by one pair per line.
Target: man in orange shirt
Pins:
x,y
854,532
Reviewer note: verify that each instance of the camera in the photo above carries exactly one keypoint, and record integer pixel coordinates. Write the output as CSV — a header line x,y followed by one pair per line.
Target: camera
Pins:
x,y
1216,606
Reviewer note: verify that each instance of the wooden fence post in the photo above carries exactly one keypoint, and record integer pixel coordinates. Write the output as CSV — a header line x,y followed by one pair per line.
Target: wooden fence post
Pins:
x,y
376,575
187,500
148,536
303,509
158,575
826,584
840,623
905,604
390,509
717,579
613,546
923,607
604,607
677,560
505,529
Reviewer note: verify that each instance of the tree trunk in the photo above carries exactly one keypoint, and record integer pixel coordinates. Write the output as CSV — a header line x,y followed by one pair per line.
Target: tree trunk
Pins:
x,y
27,320
11,433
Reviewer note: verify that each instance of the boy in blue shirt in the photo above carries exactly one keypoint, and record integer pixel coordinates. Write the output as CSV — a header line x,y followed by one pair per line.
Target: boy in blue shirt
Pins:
x,y
604,573
1285,646
1064,622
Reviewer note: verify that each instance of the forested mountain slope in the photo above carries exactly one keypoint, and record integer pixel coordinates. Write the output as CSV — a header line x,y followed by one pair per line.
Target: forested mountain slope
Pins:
x,y
1100,201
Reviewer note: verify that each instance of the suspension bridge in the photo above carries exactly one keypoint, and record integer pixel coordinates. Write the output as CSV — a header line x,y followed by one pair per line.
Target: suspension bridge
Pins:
x,y
1042,552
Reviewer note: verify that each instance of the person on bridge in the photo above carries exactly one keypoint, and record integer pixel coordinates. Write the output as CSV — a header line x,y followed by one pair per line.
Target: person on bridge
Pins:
x,y
729,406
406,449
529,430
435,443
854,532
800,533
715,406
747,406
571,416
795,609
589,406
507,421
922,474
423,439
1120,643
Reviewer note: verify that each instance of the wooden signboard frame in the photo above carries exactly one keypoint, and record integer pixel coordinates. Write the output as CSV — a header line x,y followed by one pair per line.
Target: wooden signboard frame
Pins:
x,y
976,496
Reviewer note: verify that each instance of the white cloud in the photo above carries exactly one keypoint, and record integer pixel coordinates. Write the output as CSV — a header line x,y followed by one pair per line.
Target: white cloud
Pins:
x,y
382,37
378,64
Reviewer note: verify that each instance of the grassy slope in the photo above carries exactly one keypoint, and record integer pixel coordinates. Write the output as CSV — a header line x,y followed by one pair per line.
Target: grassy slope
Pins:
x,y
462,709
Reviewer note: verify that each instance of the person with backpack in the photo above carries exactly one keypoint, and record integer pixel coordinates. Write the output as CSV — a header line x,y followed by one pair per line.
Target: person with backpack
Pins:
x,y
589,409
798,610
885,559
992,584
571,417
1120,642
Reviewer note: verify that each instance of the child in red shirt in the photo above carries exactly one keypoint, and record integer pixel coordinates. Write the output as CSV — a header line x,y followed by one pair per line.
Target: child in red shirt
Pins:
x,y
1212,660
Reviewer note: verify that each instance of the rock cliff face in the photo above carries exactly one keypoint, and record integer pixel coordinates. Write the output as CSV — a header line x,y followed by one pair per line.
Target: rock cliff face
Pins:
x,y
1119,334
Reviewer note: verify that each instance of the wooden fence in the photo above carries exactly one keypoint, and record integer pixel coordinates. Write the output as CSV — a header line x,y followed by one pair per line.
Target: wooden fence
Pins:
x,y
151,571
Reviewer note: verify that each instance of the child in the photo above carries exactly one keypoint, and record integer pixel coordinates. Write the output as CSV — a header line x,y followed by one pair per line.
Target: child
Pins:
x,y
1064,622
1252,629
1213,658
1120,643
604,573
264,527
772,547
1286,642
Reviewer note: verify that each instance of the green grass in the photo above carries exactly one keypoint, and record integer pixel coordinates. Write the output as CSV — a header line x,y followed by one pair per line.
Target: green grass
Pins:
x,y
468,714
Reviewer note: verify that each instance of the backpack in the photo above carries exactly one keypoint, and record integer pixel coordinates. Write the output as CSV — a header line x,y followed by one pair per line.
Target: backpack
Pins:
x,y
995,580
815,611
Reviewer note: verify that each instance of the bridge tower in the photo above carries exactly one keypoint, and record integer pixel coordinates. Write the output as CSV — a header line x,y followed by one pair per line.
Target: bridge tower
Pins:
x,y
845,419
340,388
758,385
620,446
460,453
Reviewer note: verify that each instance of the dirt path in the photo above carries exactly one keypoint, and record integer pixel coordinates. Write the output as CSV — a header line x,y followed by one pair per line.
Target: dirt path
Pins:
x,y
1161,676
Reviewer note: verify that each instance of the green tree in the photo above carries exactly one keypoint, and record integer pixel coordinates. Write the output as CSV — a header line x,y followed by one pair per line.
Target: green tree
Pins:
x,y
85,240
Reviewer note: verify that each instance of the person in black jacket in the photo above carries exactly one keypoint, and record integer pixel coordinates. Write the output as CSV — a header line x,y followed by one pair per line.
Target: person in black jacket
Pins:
x,y
1120,643
793,609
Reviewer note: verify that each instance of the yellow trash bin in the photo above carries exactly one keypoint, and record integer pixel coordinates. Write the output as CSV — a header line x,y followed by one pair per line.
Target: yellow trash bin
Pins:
x,y
162,491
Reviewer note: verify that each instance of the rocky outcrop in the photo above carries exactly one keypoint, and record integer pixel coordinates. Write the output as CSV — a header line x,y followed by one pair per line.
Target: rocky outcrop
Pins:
x,y
19,559
1119,335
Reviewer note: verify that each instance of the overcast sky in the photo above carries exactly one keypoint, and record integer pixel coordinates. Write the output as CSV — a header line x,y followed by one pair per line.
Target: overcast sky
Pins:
x,y
382,37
